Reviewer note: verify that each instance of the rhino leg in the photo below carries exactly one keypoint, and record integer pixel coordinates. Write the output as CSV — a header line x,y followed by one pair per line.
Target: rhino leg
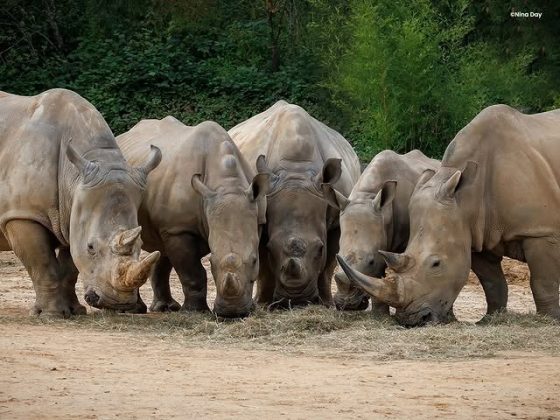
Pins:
x,y
35,247
69,274
543,257
184,252
488,269
140,307
265,280
163,301
325,278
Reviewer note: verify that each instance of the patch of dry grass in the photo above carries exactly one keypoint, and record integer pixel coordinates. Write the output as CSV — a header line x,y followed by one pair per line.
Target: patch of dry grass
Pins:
x,y
326,331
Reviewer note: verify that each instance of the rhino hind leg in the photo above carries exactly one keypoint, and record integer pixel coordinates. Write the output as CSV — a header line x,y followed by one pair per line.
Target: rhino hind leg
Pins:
x,y
488,269
163,301
53,280
184,252
543,257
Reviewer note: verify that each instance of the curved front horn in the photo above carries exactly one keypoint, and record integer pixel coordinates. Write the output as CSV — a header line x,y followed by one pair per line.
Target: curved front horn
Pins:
x,y
138,272
397,262
382,289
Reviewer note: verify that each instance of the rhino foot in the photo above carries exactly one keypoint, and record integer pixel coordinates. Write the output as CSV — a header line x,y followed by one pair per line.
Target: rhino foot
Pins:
x,y
139,308
195,306
165,306
60,310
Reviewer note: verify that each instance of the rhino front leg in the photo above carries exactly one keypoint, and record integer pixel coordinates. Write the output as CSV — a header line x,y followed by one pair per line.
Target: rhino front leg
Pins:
x,y
265,280
35,247
325,278
488,269
69,275
184,252
543,257
163,301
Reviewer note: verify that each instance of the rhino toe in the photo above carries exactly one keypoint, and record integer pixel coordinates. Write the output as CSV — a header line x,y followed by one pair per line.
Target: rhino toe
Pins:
x,y
165,306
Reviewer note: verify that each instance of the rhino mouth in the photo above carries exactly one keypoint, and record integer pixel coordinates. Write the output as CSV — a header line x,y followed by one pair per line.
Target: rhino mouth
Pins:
x,y
101,301
423,317
234,312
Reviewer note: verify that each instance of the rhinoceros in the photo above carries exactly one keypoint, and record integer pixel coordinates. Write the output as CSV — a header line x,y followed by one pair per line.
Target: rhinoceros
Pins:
x,y
311,166
202,198
497,193
69,203
375,219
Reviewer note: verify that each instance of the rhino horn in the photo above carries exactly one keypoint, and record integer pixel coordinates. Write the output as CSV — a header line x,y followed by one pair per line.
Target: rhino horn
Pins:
x,y
382,289
230,286
138,272
293,268
397,262
123,243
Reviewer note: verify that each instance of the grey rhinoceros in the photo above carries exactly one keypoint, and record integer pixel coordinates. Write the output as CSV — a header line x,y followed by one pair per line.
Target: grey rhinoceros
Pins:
x,y
202,198
496,193
69,203
375,219
310,164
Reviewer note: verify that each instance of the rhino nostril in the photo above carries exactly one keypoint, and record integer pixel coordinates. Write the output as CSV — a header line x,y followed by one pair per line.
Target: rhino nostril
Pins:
x,y
91,298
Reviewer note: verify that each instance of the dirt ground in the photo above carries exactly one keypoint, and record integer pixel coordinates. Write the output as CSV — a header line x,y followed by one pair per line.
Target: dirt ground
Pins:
x,y
97,369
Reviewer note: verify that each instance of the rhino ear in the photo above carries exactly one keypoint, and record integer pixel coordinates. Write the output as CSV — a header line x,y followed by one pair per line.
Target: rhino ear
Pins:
x,y
385,195
425,177
153,160
262,168
332,170
334,198
459,180
83,165
200,187
259,187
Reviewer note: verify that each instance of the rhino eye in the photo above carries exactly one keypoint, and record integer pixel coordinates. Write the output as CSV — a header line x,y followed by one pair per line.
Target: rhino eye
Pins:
x,y
254,261
90,248
435,264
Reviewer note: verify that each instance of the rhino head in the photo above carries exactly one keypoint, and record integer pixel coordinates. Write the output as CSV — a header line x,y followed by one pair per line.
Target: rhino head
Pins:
x,y
232,215
297,211
104,235
365,226
429,275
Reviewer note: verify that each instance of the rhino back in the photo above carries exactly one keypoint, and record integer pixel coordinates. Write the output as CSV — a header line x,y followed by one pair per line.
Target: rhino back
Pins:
x,y
518,173
388,165
170,203
293,140
34,132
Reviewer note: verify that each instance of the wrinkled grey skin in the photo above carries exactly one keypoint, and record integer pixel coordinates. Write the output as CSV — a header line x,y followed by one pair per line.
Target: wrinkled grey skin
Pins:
x,y
69,203
375,218
310,164
495,194
202,198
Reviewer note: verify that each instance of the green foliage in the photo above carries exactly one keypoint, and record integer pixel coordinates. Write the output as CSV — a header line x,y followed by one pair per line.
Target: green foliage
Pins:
x,y
387,74
409,80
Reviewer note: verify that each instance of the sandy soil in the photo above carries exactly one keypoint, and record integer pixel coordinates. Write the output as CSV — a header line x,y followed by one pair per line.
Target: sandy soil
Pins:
x,y
49,371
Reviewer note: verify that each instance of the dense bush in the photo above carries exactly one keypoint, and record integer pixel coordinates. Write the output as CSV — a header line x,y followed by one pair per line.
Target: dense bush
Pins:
x,y
387,74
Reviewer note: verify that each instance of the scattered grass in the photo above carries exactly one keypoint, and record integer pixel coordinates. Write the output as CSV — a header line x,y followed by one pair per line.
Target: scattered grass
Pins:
x,y
327,331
